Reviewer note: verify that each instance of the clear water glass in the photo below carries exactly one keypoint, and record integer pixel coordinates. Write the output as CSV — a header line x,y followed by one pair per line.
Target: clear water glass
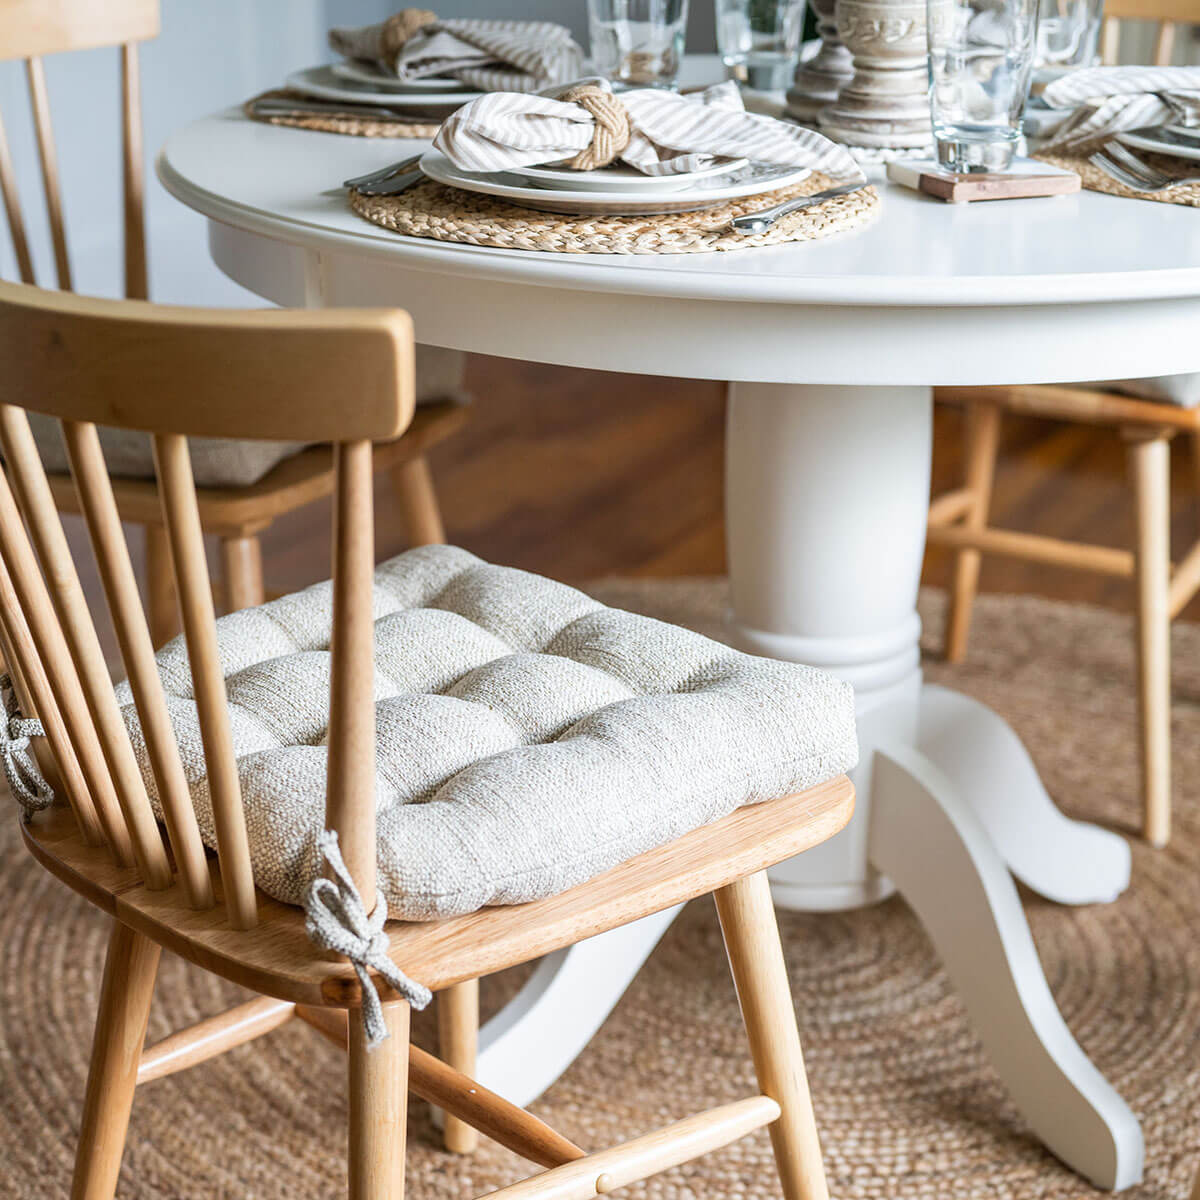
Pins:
x,y
980,62
638,43
759,41
1068,35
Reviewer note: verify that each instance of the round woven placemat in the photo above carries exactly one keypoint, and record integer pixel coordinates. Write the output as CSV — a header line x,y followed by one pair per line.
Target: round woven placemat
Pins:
x,y
371,127
1096,180
908,1104
432,210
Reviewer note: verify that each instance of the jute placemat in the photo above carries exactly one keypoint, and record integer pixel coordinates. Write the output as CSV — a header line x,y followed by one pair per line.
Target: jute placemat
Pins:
x,y
908,1104
432,210
364,126
1096,180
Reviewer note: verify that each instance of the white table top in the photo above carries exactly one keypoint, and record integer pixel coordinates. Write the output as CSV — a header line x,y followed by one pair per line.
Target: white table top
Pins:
x,y
976,266
1076,248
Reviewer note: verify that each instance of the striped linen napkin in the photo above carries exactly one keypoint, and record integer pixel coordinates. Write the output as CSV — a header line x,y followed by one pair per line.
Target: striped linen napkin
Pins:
x,y
657,132
1109,100
492,56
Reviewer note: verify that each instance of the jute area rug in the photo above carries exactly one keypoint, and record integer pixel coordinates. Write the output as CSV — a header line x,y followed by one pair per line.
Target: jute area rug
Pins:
x,y
908,1105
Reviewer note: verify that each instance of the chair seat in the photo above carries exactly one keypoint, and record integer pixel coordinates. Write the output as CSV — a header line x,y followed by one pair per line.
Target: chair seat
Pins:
x,y
277,958
529,737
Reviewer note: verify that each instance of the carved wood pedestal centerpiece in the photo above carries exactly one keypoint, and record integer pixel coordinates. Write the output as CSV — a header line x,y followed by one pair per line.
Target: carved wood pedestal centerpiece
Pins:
x,y
886,104
822,77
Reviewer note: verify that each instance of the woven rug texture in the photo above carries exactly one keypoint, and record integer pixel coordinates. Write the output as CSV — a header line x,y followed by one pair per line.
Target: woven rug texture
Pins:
x,y
908,1105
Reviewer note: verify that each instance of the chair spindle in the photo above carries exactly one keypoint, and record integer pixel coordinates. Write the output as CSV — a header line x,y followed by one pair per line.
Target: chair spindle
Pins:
x,y
40,100
350,786
12,207
137,652
181,516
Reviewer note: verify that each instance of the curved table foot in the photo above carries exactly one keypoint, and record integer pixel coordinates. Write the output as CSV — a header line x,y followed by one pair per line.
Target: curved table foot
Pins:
x,y
1068,861
934,847
532,1040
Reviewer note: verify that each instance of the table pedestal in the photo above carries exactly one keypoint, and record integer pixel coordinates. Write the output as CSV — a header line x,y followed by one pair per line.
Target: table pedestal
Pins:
x,y
827,497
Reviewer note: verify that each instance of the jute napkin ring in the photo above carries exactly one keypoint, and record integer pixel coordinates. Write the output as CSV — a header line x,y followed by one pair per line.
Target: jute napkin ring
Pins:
x,y
611,130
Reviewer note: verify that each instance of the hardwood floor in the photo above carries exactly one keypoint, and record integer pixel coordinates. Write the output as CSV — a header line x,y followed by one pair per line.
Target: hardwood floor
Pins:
x,y
580,474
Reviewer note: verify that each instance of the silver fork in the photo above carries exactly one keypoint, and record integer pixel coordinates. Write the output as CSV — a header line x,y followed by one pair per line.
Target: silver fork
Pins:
x,y
1118,162
382,181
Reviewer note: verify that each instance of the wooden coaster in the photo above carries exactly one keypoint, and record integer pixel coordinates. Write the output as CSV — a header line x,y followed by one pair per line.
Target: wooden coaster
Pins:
x,y
1023,180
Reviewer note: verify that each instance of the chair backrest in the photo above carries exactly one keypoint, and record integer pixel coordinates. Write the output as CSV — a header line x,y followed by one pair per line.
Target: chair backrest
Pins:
x,y
30,29
1167,14
344,376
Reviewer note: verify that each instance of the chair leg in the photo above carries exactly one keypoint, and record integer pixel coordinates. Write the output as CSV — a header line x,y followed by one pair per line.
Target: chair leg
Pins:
x,y
242,571
747,916
418,502
983,437
458,1042
162,612
125,996
378,1108
1149,468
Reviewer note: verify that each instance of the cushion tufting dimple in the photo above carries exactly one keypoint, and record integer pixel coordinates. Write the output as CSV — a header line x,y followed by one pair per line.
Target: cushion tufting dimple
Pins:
x,y
528,737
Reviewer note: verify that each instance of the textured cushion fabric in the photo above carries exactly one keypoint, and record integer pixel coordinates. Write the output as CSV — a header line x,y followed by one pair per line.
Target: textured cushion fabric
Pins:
x,y
226,462
1183,390
529,737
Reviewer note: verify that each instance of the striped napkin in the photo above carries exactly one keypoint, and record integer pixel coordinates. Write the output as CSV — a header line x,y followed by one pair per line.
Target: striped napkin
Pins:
x,y
492,56
1108,100
656,131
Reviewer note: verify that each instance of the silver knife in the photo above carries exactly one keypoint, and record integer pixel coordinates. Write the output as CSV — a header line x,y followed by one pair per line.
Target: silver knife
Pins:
x,y
284,108
1170,135
384,173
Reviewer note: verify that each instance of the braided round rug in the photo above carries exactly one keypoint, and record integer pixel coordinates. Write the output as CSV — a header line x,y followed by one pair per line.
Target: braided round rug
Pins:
x,y
1096,180
365,126
909,1107
432,210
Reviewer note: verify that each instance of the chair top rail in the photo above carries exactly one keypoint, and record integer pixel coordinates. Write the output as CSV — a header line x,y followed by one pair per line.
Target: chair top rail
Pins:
x,y
321,376
29,28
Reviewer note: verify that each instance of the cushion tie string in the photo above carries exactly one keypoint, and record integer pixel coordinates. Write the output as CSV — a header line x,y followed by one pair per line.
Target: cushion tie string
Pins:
x,y
336,919
21,770
611,130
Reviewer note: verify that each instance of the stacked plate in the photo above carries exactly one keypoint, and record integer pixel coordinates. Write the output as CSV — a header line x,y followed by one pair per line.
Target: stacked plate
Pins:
x,y
362,84
616,190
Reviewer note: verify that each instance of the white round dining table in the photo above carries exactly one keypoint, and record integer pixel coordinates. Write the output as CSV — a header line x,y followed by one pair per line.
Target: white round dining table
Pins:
x,y
830,349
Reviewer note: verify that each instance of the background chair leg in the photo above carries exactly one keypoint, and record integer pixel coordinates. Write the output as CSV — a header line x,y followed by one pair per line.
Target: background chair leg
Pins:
x,y
378,1107
756,959
1150,470
125,996
458,1043
242,571
418,502
162,613
983,439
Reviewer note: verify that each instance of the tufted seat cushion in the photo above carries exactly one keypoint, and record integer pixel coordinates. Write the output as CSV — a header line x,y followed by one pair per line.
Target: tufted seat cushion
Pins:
x,y
529,737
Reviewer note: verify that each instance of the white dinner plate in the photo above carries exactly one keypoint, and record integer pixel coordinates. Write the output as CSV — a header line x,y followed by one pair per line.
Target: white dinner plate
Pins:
x,y
510,185
624,179
325,85
378,78
1187,145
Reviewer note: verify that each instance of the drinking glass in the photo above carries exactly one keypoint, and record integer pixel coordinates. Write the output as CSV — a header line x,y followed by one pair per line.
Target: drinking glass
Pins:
x,y
1068,35
759,41
637,43
980,60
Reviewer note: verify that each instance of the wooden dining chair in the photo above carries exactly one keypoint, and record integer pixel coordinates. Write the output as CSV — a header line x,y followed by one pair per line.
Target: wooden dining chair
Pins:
x,y
261,374
960,518
236,514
